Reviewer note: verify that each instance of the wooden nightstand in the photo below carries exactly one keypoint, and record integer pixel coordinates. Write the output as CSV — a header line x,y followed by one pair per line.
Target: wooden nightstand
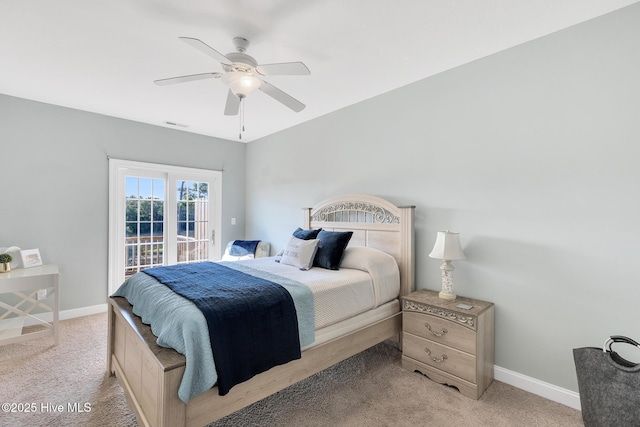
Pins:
x,y
449,344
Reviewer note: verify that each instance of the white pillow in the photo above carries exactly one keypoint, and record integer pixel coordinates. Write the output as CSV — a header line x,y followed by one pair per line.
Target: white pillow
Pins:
x,y
382,267
300,253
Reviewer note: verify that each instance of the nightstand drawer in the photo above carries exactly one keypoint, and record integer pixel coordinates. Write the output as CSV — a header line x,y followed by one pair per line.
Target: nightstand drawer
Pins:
x,y
440,330
455,362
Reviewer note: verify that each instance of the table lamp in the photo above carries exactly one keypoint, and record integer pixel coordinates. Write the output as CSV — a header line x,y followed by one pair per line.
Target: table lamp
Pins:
x,y
447,248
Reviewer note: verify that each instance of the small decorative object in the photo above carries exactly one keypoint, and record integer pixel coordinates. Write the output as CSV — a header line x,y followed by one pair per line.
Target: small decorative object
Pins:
x,y
14,251
447,248
30,258
5,263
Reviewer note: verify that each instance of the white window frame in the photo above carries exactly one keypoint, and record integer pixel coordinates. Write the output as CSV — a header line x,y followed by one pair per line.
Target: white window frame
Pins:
x,y
118,170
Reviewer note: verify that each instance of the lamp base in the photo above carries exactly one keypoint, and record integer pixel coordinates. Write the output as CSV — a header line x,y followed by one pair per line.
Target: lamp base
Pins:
x,y
447,295
447,281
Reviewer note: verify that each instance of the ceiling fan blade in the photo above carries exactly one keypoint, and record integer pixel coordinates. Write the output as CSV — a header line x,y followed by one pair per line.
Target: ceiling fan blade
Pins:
x,y
283,69
282,97
206,49
233,104
189,78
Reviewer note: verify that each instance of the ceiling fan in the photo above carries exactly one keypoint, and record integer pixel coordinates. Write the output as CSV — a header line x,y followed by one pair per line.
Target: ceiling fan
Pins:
x,y
243,75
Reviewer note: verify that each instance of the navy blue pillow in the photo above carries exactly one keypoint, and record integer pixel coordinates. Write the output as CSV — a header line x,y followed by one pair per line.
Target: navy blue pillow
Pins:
x,y
331,248
306,234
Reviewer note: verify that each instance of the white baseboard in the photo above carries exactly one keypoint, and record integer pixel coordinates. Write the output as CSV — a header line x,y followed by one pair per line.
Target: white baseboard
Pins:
x,y
83,311
548,391
67,314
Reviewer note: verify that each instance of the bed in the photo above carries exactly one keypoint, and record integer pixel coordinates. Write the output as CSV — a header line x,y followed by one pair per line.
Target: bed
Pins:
x,y
151,375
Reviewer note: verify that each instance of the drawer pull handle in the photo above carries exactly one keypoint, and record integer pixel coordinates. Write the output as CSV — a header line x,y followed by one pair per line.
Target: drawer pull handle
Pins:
x,y
437,334
435,359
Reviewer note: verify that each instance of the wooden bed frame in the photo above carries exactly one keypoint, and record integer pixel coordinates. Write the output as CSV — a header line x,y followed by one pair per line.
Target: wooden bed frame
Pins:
x,y
150,375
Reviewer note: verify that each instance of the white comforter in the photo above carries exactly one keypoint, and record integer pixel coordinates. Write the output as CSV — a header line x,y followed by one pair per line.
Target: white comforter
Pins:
x,y
367,279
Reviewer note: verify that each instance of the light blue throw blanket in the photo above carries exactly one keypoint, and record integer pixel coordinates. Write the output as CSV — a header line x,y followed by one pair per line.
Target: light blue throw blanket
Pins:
x,y
180,325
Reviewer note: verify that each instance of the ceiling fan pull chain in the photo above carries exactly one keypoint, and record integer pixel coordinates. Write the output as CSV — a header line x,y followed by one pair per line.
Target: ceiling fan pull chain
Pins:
x,y
241,119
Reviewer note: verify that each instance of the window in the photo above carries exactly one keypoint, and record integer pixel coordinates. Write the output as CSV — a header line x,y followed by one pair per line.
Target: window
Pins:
x,y
144,223
160,215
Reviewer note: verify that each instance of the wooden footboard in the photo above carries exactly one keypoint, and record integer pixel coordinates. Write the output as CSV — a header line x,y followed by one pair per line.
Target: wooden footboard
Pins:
x,y
150,375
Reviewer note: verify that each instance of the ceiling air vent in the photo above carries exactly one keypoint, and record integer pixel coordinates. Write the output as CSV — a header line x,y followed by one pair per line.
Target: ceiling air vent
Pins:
x,y
175,124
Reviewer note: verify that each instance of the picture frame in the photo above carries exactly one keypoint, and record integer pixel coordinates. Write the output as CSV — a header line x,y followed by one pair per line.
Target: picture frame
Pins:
x,y
30,258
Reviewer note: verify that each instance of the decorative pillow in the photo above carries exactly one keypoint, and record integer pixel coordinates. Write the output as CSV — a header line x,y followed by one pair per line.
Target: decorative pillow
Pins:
x,y
300,253
331,249
230,253
306,234
243,247
263,250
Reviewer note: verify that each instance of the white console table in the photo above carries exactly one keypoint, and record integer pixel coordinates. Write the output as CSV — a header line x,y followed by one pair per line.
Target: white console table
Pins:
x,y
19,298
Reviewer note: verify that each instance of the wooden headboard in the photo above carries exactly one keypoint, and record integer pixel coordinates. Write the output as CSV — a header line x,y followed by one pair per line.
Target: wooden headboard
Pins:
x,y
375,223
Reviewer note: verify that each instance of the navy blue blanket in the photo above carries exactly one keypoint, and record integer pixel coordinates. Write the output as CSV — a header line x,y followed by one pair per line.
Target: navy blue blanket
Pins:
x,y
243,247
252,321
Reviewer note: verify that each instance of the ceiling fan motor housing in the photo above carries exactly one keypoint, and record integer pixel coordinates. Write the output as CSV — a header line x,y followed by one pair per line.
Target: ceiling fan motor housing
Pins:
x,y
240,62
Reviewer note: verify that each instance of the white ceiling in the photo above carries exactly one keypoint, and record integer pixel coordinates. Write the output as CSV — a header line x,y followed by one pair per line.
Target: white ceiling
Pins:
x,y
102,56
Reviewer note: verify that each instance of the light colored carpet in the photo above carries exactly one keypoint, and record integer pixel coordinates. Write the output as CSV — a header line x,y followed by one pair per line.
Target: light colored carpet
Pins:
x,y
368,389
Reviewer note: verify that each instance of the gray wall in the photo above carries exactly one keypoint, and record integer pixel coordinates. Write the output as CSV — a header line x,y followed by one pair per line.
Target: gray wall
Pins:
x,y
54,170
531,154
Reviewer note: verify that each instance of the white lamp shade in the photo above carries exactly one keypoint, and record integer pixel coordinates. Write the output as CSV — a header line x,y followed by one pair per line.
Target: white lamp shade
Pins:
x,y
241,84
447,246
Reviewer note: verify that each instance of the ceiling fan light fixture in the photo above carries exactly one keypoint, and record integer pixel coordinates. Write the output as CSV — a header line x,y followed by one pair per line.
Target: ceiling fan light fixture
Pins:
x,y
241,83
243,75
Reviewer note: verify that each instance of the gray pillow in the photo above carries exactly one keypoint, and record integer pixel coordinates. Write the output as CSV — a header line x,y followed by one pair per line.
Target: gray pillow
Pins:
x,y
300,253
